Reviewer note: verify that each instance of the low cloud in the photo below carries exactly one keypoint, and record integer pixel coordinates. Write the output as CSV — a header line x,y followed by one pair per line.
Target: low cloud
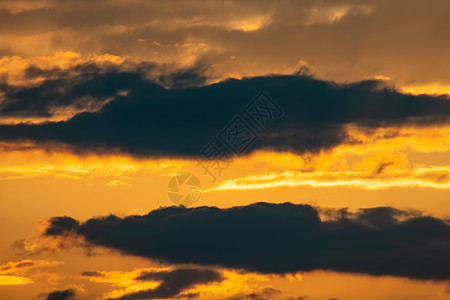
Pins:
x,y
68,294
153,121
55,88
277,238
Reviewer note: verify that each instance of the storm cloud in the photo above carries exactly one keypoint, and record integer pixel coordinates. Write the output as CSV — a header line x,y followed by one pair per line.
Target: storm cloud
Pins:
x,y
304,114
277,238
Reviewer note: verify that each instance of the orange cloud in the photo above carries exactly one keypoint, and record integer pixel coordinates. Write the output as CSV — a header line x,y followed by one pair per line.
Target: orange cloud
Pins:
x,y
11,267
17,164
432,177
15,66
18,6
378,159
19,273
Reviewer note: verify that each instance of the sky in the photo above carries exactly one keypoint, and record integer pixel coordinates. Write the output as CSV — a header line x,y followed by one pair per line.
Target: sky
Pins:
x,y
224,150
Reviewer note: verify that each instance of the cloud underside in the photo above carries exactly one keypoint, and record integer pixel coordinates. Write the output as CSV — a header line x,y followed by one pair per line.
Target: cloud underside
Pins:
x,y
173,283
150,120
68,294
277,238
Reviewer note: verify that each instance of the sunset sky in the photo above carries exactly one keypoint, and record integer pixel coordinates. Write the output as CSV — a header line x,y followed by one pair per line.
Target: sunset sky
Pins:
x,y
225,150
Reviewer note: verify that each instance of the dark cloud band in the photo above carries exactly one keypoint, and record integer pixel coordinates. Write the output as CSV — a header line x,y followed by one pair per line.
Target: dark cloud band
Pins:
x,y
154,121
281,238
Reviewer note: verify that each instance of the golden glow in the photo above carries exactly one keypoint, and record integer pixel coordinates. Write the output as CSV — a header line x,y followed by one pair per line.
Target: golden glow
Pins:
x,y
117,182
430,89
381,77
17,273
233,282
24,164
15,66
379,160
335,14
11,267
402,167
14,280
433,177
126,281
252,24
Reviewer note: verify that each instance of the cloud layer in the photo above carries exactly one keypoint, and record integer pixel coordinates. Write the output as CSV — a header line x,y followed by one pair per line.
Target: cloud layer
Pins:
x,y
153,121
277,238
341,40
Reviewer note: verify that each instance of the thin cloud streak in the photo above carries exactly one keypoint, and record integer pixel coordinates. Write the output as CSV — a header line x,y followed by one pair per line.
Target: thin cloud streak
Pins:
x,y
423,177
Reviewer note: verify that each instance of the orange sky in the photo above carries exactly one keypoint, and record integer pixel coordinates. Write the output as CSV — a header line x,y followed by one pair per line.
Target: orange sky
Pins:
x,y
401,44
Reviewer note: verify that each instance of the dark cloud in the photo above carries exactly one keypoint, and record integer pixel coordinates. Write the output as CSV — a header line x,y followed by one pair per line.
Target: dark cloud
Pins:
x,y
155,121
62,225
278,238
92,274
68,294
173,283
88,86
264,294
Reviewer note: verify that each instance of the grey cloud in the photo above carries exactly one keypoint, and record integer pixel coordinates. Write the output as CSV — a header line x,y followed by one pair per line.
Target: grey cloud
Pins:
x,y
154,121
277,238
